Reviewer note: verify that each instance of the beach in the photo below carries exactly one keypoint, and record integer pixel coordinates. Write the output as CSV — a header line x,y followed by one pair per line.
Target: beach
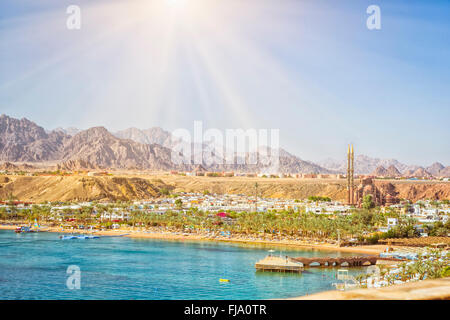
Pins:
x,y
433,289
179,236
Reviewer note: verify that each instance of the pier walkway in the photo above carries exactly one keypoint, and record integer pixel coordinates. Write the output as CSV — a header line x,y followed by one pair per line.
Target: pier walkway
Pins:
x,y
337,262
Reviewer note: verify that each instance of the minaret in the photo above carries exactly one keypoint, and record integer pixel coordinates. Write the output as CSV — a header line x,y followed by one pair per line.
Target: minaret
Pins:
x,y
352,182
350,175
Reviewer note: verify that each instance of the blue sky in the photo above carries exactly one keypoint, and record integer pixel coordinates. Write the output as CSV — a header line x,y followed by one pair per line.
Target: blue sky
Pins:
x,y
310,68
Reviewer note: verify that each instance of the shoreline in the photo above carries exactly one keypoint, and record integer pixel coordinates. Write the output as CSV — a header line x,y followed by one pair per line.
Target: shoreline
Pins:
x,y
178,236
431,289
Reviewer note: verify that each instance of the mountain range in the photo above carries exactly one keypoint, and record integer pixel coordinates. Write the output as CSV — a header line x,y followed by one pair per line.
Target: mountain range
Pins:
x,y
386,167
22,140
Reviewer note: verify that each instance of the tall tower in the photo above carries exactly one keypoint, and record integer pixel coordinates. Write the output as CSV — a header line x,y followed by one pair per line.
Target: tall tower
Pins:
x,y
350,175
352,181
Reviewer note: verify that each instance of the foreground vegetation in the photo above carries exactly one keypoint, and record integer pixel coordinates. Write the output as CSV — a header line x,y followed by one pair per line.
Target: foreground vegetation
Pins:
x,y
431,264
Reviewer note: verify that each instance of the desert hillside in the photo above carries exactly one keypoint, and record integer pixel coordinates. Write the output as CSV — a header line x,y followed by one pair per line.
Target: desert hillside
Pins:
x,y
78,188
128,187
303,188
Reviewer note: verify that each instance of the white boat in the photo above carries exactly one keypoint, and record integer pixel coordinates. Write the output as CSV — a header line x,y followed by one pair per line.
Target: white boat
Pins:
x,y
81,237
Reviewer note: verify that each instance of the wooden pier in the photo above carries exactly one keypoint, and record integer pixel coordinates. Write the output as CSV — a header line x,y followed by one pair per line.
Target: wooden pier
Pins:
x,y
288,264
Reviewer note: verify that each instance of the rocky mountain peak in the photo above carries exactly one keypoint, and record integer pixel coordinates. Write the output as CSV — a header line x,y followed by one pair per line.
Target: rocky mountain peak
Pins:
x,y
380,171
435,168
392,171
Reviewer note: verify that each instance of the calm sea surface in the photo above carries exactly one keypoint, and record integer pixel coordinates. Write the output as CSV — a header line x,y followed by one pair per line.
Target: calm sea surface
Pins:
x,y
34,266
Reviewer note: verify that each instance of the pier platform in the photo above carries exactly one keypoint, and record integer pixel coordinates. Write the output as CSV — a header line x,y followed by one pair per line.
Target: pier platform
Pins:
x,y
279,264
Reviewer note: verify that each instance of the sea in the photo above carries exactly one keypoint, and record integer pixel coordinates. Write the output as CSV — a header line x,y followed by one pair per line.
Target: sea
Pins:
x,y
36,266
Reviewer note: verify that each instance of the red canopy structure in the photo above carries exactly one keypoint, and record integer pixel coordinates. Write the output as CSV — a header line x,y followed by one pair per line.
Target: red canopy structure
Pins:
x,y
222,214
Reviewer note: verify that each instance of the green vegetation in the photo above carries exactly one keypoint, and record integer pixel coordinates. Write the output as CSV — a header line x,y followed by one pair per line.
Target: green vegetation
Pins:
x,y
406,230
164,191
438,229
286,223
213,174
368,202
432,264
319,198
362,224
179,203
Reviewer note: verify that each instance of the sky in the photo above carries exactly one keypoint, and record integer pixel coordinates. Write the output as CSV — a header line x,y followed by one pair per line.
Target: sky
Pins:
x,y
310,68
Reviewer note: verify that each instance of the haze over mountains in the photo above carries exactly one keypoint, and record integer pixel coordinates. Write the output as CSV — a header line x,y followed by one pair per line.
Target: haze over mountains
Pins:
x,y
363,164
151,149
24,141
386,167
153,135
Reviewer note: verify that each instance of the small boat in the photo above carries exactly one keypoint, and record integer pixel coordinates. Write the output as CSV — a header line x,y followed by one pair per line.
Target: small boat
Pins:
x,y
66,237
24,230
81,237
224,280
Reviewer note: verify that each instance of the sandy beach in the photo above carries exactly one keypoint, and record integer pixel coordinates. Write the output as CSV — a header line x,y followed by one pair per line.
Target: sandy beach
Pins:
x,y
432,289
179,236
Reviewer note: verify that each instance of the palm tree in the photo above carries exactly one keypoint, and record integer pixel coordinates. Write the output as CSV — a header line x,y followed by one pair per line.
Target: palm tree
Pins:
x,y
360,278
3,214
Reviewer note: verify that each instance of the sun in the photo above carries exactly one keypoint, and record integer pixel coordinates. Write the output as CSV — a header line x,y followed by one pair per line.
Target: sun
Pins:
x,y
176,3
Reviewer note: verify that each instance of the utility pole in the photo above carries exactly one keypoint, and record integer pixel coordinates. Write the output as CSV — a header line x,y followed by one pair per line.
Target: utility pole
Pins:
x,y
256,196
339,237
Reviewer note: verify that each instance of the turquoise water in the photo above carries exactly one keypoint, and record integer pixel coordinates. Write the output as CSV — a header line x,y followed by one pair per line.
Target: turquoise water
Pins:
x,y
33,266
